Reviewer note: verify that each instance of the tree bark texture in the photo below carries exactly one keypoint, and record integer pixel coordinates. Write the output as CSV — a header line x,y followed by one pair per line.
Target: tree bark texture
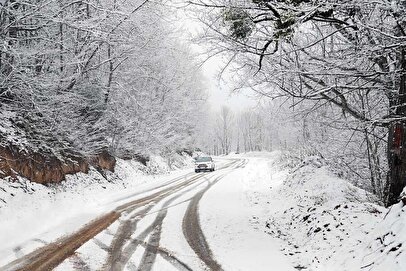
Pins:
x,y
397,141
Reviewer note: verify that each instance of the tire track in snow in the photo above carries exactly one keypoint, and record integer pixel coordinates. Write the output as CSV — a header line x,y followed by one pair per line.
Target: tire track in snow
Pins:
x,y
150,253
154,229
51,255
167,255
119,257
192,229
194,234
78,263
101,245
126,228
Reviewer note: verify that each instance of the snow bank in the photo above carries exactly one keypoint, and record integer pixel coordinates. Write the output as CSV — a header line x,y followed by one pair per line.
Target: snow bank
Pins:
x,y
324,221
164,164
386,250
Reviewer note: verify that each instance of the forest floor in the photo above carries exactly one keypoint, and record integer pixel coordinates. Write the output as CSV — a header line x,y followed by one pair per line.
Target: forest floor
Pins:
x,y
256,212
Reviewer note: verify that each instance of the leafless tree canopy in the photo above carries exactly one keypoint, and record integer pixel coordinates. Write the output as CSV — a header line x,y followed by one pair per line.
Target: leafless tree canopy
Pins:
x,y
85,76
346,54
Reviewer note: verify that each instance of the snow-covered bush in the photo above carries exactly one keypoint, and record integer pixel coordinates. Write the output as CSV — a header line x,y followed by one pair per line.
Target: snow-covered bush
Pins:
x,y
323,219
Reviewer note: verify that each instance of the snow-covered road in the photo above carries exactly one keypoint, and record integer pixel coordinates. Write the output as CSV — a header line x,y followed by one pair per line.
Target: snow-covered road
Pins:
x,y
200,221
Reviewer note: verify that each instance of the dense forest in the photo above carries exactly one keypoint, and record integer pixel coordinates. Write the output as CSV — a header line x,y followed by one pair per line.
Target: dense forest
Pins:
x,y
86,81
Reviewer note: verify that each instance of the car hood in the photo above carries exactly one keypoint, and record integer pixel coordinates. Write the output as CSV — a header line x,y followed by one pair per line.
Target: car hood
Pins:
x,y
202,163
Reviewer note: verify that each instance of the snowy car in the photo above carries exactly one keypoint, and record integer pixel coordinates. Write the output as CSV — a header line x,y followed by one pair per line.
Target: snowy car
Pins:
x,y
204,163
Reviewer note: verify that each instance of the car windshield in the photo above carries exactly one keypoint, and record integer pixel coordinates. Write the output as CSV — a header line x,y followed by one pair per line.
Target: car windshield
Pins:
x,y
203,159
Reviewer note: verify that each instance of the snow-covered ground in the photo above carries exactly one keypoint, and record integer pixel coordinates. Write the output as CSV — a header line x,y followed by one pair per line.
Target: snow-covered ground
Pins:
x,y
324,222
229,211
271,214
32,215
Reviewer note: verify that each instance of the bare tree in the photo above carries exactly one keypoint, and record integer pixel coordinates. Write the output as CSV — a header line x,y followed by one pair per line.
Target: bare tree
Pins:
x,y
224,129
340,53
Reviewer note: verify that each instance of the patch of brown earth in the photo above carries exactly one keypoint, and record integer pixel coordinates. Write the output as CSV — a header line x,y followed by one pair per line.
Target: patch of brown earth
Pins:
x,y
103,160
47,168
38,167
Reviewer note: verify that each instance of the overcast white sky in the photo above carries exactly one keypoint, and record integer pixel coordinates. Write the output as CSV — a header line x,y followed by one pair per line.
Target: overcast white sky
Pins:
x,y
220,93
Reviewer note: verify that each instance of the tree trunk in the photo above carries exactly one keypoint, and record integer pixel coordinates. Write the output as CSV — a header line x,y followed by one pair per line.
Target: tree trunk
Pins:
x,y
12,36
396,162
370,164
397,141
110,78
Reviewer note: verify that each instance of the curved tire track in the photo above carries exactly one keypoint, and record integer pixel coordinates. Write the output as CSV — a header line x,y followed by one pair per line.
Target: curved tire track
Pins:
x,y
51,255
192,228
125,230
124,255
194,234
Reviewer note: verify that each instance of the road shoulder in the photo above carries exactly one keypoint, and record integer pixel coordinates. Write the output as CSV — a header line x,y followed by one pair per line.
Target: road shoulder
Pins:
x,y
226,214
